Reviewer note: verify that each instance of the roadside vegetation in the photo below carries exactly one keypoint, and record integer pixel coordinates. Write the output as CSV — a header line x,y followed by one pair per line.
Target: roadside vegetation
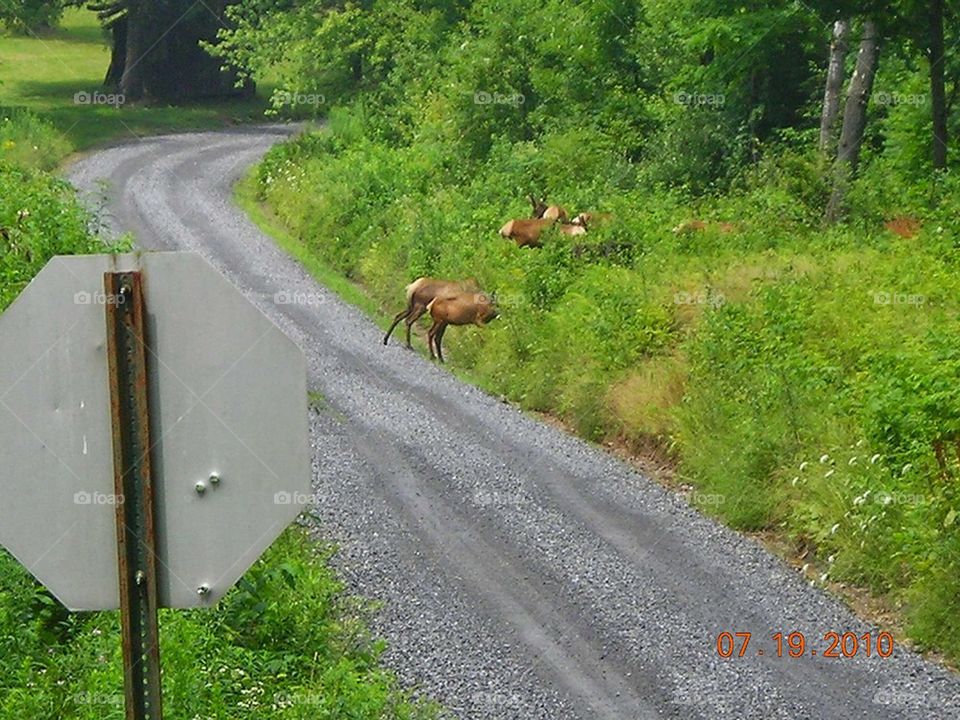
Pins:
x,y
799,370
288,642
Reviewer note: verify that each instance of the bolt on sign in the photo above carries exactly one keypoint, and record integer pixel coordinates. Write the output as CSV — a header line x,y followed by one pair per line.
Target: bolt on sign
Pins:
x,y
153,430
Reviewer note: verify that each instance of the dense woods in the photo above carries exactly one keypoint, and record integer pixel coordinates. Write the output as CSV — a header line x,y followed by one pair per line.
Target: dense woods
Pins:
x,y
772,306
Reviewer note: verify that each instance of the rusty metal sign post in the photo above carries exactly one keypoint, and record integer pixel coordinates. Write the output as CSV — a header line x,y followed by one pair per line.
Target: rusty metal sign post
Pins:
x,y
133,482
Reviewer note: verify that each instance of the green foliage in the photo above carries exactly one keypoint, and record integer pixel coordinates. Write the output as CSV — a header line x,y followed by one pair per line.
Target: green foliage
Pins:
x,y
30,16
28,141
40,218
287,643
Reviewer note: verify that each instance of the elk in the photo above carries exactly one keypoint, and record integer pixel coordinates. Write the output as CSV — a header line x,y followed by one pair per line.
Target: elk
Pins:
x,y
573,228
526,232
547,212
420,293
460,309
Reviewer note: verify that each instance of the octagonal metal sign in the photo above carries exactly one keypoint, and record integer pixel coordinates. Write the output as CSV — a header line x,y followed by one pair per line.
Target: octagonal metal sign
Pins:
x,y
229,429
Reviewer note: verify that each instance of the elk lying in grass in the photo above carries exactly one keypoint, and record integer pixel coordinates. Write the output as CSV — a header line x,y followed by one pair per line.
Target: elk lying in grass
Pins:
x,y
547,212
460,309
573,228
526,232
420,293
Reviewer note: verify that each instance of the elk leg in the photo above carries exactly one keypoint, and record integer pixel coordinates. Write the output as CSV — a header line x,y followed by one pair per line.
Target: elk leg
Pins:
x,y
400,316
430,337
438,341
415,314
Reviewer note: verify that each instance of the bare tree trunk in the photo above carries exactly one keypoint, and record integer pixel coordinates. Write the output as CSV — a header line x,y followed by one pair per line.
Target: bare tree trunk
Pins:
x,y
831,94
938,92
854,118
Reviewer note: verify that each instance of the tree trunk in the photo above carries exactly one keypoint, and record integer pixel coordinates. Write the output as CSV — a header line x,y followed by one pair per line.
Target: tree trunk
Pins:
x,y
938,92
118,53
132,82
854,118
831,95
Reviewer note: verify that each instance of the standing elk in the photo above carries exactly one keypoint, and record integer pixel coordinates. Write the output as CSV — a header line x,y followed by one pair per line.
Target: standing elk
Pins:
x,y
461,309
420,293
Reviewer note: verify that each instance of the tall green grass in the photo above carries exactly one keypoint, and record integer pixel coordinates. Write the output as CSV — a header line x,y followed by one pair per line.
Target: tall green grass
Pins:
x,y
746,355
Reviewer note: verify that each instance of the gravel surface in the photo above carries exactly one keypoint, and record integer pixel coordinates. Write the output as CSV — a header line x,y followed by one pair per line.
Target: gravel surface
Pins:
x,y
524,573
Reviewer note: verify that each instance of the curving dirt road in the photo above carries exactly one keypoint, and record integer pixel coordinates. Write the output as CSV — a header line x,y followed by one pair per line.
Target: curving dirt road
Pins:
x,y
525,574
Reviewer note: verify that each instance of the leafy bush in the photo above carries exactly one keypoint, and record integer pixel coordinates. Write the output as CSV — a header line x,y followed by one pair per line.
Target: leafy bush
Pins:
x,y
287,642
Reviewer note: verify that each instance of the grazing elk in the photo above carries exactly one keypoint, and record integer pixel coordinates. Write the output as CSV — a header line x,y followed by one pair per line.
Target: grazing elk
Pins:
x,y
420,293
547,212
460,309
526,232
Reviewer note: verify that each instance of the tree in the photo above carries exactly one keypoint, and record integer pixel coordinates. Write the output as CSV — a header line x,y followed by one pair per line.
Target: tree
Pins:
x,y
938,93
158,49
854,118
834,84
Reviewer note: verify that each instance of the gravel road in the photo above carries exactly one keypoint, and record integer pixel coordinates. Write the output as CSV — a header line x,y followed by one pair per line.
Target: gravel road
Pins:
x,y
524,573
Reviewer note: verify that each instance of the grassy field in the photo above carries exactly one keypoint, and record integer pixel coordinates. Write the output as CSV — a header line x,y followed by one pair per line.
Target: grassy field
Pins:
x,y
52,74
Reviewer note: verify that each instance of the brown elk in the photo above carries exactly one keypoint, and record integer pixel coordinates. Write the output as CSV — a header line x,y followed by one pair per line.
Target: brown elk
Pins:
x,y
460,309
547,212
573,228
526,232
420,293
